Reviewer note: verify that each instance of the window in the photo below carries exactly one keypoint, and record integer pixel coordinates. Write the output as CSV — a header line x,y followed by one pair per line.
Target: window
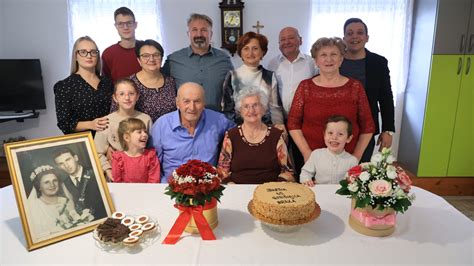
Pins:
x,y
389,29
95,18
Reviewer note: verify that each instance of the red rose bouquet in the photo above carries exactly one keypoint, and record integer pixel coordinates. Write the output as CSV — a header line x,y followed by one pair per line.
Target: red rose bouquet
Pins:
x,y
196,188
194,183
378,184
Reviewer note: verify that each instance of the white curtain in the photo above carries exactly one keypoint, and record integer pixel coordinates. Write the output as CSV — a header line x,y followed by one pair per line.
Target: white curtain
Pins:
x,y
95,18
389,25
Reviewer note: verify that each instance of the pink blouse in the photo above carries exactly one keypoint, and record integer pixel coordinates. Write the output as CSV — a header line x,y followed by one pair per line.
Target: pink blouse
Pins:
x,y
142,169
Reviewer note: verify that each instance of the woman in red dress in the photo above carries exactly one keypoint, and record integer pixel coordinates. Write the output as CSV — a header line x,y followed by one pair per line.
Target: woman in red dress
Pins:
x,y
327,94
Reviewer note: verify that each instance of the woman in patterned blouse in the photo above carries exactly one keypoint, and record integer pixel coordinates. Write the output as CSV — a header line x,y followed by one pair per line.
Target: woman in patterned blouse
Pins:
x,y
157,91
325,95
254,153
83,98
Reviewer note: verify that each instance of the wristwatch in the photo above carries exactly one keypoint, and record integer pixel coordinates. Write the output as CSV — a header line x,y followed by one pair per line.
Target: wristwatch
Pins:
x,y
389,132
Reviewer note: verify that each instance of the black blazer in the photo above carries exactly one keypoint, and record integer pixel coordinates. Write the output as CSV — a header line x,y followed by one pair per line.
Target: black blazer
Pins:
x,y
379,91
92,199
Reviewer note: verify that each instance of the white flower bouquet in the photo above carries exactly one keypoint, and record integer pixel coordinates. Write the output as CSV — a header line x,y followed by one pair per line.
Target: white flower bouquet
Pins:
x,y
378,184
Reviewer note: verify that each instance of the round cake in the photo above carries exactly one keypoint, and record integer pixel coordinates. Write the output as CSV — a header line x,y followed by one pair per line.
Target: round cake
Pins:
x,y
284,203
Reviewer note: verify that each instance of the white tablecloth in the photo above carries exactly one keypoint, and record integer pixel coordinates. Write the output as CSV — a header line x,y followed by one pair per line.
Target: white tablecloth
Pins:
x,y
430,232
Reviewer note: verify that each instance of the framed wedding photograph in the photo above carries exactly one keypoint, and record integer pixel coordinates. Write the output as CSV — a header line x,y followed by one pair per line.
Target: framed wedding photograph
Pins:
x,y
59,187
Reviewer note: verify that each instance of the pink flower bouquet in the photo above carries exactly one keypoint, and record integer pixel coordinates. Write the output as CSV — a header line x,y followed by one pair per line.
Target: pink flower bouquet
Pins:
x,y
378,184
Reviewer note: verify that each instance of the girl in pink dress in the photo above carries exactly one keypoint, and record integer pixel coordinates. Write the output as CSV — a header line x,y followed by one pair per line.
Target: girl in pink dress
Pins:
x,y
106,141
136,163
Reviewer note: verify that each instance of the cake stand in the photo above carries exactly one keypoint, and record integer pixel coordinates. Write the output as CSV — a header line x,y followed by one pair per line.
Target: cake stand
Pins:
x,y
283,227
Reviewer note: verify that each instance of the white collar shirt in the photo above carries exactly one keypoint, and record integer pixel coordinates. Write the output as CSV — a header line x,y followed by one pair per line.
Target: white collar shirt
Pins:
x,y
76,179
290,74
326,167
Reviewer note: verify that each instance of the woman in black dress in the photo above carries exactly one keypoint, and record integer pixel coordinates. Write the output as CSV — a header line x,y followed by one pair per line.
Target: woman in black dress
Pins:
x,y
83,99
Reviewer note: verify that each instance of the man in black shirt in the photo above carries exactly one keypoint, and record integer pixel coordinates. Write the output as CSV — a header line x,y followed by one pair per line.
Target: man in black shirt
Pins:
x,y
372,70
81,183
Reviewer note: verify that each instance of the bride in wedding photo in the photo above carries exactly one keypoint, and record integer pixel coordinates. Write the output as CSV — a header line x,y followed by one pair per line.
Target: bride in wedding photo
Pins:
x,y
50,204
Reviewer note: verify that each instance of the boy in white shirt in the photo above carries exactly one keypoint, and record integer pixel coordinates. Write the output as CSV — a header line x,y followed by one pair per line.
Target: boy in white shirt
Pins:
x,y
329,165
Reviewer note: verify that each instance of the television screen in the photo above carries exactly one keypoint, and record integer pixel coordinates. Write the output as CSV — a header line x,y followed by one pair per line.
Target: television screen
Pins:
x,y
21,85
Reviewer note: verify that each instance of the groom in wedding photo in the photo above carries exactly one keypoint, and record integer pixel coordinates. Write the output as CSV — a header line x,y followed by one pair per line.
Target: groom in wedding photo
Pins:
x,y
81,183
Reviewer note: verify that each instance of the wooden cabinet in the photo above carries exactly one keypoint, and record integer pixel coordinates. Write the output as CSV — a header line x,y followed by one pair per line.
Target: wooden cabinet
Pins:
x,y
447,136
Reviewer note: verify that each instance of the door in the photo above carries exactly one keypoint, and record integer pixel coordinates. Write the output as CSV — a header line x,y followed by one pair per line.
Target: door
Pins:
x,y
461,161
470,47
440,113
452,26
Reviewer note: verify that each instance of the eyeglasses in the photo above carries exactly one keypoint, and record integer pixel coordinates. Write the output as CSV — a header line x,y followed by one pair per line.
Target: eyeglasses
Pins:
x,y
254,106
126,23
149,56
85,53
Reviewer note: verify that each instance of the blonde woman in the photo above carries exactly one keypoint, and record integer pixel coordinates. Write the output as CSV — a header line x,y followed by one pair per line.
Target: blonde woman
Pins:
x,y
83,98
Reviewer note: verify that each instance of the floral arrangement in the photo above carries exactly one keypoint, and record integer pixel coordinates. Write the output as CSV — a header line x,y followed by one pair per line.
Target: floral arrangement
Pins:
x,y
378,184
194,183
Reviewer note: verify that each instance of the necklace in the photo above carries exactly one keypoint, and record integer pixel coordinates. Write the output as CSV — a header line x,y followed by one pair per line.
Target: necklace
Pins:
x,y
257,139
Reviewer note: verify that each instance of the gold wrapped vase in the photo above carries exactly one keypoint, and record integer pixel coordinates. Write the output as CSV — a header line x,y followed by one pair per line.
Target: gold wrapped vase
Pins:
x,y
209,211
372,222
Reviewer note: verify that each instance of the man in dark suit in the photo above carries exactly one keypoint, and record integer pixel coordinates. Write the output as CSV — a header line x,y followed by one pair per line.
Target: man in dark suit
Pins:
x,y
372,70
81,183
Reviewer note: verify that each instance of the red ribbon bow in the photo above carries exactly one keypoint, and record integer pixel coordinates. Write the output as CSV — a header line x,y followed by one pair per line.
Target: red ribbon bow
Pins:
x,y
183,220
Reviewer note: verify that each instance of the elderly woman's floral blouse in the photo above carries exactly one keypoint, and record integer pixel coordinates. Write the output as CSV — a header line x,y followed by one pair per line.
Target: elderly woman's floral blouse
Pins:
x,y
254,163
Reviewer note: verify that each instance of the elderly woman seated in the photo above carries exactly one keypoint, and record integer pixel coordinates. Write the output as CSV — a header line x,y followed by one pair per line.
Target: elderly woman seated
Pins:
x,y
254,153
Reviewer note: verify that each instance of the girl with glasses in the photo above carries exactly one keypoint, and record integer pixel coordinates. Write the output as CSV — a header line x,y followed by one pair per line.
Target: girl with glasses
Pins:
x,y
83,99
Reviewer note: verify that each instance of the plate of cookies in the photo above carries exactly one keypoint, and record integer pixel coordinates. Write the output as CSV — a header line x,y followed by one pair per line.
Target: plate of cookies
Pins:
x,y
126,233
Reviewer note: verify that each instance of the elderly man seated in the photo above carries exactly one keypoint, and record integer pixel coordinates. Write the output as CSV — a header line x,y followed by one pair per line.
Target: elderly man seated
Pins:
x,y
191,132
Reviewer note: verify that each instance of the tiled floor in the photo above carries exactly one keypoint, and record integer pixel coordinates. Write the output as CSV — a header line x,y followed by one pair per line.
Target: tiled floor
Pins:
x,y
464,204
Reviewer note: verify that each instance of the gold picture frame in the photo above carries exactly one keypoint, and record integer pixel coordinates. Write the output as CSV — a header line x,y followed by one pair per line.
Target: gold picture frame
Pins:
x,y
59,187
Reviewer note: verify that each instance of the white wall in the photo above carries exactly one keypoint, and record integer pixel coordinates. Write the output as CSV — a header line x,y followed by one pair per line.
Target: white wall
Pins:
x,y
273,14
38,29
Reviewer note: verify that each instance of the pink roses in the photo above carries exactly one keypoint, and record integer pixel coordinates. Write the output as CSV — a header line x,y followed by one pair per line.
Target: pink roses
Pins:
x,y
403,180
380,188
378,183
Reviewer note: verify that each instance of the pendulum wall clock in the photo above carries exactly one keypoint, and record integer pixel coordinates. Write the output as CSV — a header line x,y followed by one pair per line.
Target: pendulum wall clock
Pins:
x,y
231,23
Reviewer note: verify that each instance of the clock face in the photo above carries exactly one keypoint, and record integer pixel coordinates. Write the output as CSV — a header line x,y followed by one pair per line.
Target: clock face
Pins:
x,y
232,18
